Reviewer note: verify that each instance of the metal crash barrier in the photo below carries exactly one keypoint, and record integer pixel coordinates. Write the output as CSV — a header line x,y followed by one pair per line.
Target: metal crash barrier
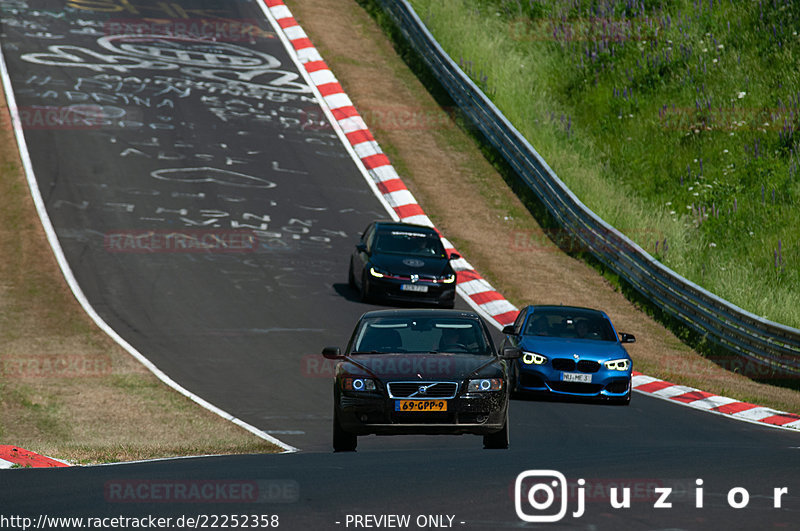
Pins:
x,y
770,346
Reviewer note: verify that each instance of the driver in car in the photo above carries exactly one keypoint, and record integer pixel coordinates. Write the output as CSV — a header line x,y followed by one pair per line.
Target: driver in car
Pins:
x,y
453,339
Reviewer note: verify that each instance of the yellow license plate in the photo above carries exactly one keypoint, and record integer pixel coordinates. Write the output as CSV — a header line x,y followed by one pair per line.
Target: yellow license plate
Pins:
x,y
420,405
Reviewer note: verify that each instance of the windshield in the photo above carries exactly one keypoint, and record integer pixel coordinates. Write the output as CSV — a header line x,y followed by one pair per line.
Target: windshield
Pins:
x,y
421,335
574,324
409,243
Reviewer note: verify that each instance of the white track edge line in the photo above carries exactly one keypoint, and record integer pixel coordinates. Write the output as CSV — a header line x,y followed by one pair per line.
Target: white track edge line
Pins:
x,y
76,289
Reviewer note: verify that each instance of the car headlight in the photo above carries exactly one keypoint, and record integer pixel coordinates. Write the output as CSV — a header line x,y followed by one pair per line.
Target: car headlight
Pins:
x,y
359,384
618,365
449,279
485,384
376,273
532,358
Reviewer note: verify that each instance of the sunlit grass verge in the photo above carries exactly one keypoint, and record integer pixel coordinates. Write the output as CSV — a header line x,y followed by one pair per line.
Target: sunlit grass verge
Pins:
x,y
114,418
66,389
675,125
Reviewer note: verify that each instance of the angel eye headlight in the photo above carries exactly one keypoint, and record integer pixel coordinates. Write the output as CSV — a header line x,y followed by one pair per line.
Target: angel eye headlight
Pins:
x,y
375,273
449,279
532,358
359,384
485,384
618,365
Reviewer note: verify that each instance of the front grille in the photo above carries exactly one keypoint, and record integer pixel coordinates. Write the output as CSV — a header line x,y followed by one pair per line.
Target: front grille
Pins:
x,y
568,365
422,278
563,364
576,387
431,389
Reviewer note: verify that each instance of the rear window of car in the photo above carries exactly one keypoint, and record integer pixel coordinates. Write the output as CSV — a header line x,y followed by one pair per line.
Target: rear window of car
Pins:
x,y
421,335
409,242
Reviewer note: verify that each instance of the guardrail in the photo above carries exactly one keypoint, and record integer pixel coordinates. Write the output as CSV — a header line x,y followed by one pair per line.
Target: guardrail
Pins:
x,y
763,342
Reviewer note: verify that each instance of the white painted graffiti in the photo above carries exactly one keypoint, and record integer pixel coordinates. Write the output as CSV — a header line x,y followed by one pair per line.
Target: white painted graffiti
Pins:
x,y
24,24
212,175
222,65
271,234
65,55
43,35
188,52
280,80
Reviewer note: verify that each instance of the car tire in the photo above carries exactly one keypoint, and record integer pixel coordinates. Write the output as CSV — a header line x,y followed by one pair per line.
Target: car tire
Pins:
x,y
351,278
624,401
365,295
343,441
513,381
497,440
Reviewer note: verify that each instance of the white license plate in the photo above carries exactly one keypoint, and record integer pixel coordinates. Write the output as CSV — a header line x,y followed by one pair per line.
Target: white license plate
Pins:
x,y
419,288
576,377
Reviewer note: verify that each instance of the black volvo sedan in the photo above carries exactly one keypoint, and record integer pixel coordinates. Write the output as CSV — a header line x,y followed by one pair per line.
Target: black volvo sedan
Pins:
x,y
420,372
403,262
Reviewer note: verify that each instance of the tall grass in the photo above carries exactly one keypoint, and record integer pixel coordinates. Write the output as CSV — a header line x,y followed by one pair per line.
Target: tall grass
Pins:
x,y
676,121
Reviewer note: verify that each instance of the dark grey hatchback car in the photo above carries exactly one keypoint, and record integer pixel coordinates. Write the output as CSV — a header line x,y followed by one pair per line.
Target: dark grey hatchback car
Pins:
x,y
420,372
403,262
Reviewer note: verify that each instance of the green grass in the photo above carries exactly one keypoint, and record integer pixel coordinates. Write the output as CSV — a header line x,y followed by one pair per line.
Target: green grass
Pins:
x,y
656,120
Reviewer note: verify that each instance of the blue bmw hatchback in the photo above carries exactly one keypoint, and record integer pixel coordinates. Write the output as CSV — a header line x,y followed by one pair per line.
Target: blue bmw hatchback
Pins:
x,y
569,351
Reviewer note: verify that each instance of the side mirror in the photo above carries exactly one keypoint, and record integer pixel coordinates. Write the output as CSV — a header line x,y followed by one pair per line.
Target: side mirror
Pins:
x,y
454,256
508,330
361,247
626,338
511,353
332,353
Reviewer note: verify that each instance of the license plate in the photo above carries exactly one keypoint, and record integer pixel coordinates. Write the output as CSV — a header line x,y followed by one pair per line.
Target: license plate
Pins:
x,y
419,288
576,377
420,405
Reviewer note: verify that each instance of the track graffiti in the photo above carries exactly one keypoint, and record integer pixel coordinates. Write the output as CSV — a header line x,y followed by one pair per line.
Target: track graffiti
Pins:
x,y
212,175
221,64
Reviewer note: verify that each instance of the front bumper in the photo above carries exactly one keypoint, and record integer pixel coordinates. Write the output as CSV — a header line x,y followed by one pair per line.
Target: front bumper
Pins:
x,y
392,289
604,383
478,413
